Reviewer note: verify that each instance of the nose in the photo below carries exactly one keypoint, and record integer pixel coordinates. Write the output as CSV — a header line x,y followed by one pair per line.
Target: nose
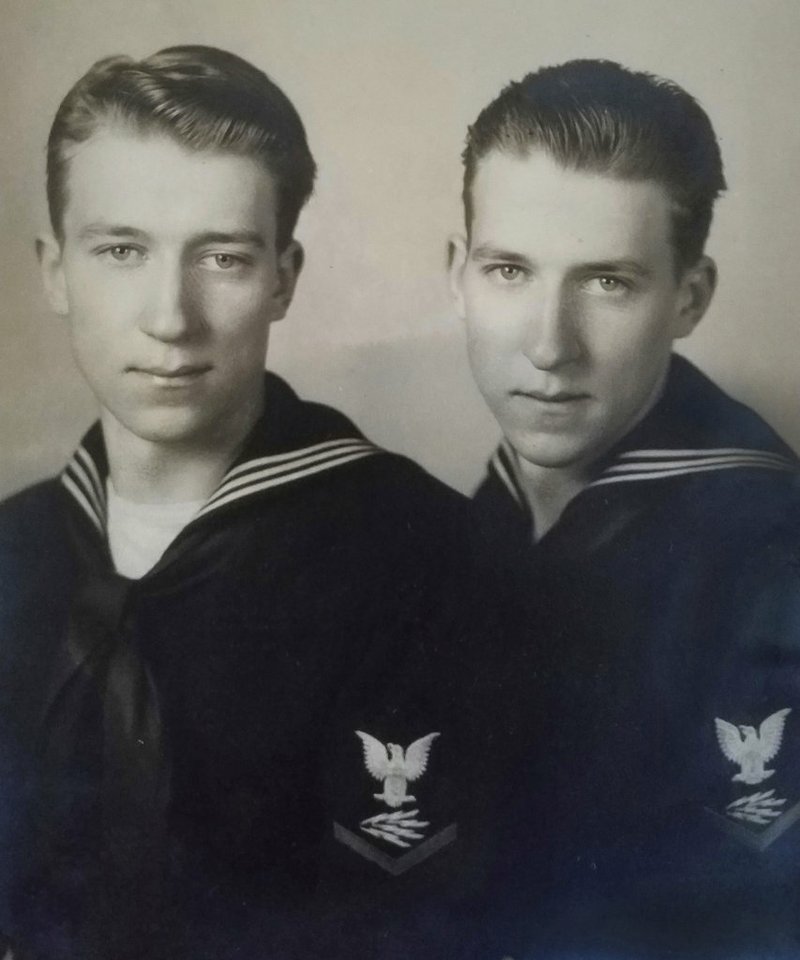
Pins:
x,y
551,338
169,313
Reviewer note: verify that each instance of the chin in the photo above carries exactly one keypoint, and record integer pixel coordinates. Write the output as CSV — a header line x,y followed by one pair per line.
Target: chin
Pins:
x,y
167,427
552,452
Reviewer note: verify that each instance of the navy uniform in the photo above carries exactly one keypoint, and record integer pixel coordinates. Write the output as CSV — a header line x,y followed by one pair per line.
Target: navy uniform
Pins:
x,y
220,758
658,814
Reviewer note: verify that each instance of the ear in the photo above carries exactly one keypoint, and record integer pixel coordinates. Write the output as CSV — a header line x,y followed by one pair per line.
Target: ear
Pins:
x,y
456,262
49,255
696,290
290,263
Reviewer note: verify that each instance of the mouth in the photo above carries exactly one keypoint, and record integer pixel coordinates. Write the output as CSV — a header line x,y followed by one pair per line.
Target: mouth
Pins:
x,y
172,376
555,399
170,373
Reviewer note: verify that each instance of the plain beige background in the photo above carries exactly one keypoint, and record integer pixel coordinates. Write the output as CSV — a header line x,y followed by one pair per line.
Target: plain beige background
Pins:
x,y
386,89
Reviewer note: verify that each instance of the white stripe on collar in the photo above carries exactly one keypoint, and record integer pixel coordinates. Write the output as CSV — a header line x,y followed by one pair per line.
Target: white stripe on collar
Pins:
x,y
92,474
82,479
278,458
505,472
703,452
88,508
657,464
267,472
638,465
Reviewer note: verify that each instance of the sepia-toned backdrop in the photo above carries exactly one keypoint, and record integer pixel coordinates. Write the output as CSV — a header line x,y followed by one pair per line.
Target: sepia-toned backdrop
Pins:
x,y
386,89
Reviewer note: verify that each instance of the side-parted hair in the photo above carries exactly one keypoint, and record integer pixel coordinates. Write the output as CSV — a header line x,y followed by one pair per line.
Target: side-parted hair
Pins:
x,y
204,99
595,115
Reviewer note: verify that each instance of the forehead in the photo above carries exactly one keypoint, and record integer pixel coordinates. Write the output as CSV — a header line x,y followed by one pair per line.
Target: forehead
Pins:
x,y
531,201
153,183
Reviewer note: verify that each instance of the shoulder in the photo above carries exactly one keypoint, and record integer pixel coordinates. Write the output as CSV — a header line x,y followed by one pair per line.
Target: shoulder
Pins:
x,y
701,413
742,510
31,534
292,422
709,464
411,488
29,510
385,487
394,501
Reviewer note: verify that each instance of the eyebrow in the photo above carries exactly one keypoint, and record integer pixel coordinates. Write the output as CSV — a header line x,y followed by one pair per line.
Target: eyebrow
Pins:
x,y
617,266
242,237
250,238
110,230
485,252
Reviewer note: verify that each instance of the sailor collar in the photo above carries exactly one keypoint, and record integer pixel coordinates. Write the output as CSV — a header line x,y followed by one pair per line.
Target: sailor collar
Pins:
x,y
285,447
693,428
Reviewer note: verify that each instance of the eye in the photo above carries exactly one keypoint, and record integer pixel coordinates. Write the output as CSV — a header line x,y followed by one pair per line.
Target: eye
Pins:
x,y
508,271
226,262
610,284
505,273
122,253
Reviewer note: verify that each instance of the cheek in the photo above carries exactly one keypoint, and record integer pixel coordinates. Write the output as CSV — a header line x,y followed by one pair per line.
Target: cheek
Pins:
x,y
491,354
99,303
96,354
235,310
493,321
96,328
239,328
629,367
640,341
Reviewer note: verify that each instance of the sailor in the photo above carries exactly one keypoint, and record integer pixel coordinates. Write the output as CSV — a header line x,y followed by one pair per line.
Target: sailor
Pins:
x,y
228,591
655,514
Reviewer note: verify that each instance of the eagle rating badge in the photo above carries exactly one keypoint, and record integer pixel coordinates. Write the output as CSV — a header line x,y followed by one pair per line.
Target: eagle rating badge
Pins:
x,y
757,814
402,829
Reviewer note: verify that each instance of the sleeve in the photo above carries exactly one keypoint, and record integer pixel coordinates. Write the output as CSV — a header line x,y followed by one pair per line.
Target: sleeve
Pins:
x,y
751,804
719,872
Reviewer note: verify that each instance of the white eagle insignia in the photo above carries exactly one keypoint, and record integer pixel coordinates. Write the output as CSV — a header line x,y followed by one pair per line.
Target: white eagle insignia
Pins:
x,y
401,830
750,749
395,767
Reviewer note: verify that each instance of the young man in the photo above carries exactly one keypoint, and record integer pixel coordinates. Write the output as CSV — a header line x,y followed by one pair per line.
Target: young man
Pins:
x,y
232,627
655,512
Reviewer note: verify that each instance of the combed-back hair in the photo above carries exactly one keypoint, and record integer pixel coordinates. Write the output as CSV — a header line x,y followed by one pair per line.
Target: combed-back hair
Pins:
x,y
596,115
202,97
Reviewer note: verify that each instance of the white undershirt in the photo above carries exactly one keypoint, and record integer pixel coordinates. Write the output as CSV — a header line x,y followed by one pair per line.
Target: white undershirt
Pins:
x,y
139,533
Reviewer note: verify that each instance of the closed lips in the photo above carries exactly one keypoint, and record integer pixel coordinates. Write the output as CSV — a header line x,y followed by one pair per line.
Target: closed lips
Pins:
x,y
185,371
560,397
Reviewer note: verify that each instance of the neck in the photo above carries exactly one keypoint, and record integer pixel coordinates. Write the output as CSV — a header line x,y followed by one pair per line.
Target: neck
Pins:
x,y
147,471
548,490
